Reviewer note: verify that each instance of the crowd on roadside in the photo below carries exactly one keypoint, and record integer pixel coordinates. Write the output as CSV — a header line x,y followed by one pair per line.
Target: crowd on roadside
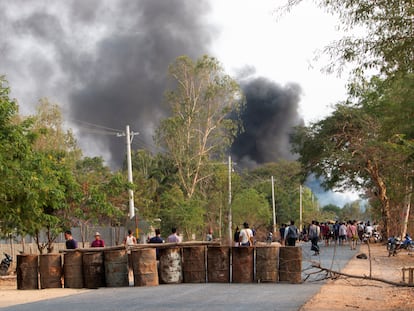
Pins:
x,y
343,233
349,232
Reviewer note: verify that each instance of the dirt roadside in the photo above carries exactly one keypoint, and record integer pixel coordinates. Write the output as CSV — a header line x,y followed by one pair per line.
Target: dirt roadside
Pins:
x,y
356,294
340,294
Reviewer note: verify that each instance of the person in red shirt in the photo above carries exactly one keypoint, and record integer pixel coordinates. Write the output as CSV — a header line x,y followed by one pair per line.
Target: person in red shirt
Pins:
x,y
98,242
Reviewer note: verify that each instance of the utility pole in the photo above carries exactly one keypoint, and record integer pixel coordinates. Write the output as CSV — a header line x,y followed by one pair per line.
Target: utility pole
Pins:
x,y
274,205
129,137
230,213
300,207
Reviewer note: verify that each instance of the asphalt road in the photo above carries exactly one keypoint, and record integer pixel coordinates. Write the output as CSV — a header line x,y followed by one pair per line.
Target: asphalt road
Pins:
x,y
210,296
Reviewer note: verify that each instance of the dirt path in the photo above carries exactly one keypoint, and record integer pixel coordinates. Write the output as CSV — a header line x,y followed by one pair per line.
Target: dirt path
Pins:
x,y
356,294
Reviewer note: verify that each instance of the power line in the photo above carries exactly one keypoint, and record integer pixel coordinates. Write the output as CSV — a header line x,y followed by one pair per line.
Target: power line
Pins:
x,y
141,143
95,128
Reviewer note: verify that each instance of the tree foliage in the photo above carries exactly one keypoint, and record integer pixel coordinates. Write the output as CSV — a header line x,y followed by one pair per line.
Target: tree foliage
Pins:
x,y
101,195
200,126
251,206
368,140
15,154
287,181
356,147
385,38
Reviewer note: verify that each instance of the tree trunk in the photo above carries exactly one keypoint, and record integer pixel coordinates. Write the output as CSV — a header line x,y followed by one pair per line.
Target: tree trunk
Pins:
x,y
382,195
406,208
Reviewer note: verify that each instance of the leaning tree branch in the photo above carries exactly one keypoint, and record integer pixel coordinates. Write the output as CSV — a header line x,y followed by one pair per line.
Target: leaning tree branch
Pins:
x,y
337,274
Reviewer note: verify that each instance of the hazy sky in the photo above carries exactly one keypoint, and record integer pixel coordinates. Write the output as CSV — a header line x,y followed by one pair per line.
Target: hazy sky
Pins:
x,y
281,48
105,62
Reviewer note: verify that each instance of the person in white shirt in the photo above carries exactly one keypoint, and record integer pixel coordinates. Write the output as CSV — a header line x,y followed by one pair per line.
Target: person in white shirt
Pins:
x,y
246,235
130,239
173,237
369,229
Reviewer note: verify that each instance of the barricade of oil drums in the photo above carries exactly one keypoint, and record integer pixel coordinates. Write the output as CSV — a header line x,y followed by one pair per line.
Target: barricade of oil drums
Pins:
x,y
170,265
194,264
116,268
144,266
73,270
218,264
93,269
50,269
243,264
178,263
267,264
45,268
290,264
27,272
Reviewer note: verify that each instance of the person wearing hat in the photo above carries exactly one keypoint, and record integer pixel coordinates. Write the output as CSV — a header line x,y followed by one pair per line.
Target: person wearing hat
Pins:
x,y
98,242
246,235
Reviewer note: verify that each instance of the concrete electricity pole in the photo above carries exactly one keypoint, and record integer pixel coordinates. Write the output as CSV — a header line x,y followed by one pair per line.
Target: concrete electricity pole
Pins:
x,y
129,137
230,213
273,205
300,207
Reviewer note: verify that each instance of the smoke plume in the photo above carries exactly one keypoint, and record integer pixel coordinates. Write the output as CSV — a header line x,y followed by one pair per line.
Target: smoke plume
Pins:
x,y
105,62
270,114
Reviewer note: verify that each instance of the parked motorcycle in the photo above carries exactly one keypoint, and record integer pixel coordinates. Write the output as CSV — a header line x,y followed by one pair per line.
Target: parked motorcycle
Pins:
x,y
5,264
375,237
394,245
365,237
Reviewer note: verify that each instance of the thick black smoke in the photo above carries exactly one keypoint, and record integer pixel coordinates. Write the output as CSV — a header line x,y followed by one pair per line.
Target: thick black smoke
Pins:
x,y
104,61
270,114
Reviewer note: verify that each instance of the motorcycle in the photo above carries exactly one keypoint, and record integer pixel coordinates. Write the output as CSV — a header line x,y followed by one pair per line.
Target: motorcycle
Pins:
x,y
5,264
365,237
377,236
374,237
395,245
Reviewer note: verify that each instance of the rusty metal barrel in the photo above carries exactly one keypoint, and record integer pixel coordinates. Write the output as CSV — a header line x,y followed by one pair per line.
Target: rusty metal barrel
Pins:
x,y
218,264
72,270
242,264
93,269
170,270
144,265
267,264
27,270
290,264
194,264
116,268
50,268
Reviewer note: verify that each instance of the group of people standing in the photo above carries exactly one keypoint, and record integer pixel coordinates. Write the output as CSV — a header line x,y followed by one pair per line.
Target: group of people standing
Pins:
x,y
246,236
339,232
71,243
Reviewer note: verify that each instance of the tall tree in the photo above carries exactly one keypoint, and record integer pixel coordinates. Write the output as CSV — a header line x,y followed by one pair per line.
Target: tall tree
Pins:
x,y
200,126
287,180
16,140
347,151
48,122
384,115
101,196
251,206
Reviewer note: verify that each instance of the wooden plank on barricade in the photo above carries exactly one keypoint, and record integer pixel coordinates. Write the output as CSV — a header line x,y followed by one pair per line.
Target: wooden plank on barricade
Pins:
x,y
181,244
93,249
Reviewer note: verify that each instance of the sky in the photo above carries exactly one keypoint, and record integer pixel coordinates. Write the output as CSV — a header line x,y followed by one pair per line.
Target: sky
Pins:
x,y
282,48
105,62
